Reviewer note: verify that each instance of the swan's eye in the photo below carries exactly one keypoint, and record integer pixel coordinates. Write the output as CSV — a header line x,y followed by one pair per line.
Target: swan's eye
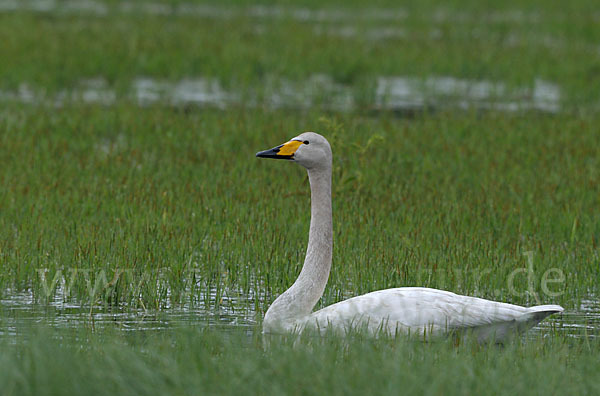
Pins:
x,y
305,142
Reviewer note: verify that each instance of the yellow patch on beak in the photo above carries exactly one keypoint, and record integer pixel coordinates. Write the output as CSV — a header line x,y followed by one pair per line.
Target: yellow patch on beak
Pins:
x,y
289,148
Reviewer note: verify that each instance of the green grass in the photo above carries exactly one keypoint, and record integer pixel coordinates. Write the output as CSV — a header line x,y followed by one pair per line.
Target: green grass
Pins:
x,y
206,362
558,45
127,209
147,197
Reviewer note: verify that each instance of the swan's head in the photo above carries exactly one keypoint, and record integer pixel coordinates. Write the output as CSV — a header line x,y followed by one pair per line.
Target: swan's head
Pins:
x,y
309,149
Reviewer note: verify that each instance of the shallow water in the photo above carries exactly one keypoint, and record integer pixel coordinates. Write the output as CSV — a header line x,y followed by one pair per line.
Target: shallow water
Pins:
x,y
581,322
440,14
20,314
390,93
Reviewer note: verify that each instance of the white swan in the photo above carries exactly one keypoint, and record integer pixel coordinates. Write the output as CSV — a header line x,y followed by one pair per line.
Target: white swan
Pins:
x,y
414,310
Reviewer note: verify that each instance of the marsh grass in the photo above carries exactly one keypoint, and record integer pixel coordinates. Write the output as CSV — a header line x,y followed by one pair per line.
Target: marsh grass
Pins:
x,y
143,209
509,43
147,207
209,362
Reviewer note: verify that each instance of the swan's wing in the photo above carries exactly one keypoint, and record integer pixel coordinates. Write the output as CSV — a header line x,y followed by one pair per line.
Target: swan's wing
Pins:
x,y
419,310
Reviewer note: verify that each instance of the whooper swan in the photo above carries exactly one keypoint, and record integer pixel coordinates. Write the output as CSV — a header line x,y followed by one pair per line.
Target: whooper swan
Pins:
x,y
413,310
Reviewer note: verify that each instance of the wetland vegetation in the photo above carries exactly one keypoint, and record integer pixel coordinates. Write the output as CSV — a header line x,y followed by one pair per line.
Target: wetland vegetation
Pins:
x,y
114,207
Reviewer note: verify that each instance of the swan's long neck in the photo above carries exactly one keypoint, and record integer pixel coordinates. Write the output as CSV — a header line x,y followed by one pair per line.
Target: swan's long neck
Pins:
x,y
301,297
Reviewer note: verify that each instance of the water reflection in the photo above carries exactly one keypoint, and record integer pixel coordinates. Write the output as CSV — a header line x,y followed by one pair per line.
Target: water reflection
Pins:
x,y
19,313
583,322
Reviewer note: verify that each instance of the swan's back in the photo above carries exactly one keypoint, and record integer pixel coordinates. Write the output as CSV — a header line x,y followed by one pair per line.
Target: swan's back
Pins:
x,y
418,310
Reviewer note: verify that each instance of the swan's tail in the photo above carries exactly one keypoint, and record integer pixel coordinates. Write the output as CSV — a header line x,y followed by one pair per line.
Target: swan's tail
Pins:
x,y
499,332
538,313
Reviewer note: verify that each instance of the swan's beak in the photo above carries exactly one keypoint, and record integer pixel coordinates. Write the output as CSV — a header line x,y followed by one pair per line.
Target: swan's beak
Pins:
x,y
284,151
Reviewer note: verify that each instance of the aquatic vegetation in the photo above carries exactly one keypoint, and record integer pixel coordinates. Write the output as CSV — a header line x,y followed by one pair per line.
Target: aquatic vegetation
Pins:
x,y
209,362
117,210
152,207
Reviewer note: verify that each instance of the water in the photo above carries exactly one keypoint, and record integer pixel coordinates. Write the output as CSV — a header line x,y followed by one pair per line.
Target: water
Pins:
x,y
585,321
19,313
329,14
390,93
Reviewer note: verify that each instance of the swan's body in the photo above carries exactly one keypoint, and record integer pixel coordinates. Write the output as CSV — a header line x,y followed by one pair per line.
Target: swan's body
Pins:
x,y
414,310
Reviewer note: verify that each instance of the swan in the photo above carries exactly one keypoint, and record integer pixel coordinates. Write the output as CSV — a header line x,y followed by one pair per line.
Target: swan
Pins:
x,y
410,310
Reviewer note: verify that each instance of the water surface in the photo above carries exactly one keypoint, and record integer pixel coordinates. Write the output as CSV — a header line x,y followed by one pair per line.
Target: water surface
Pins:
x,y
388,93
19,313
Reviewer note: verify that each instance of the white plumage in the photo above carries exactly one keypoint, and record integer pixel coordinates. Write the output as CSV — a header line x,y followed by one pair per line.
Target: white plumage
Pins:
x,y
419,310
406,310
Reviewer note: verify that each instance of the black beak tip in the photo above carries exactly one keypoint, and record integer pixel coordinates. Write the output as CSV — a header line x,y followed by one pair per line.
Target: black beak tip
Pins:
x,y
273,153
265,154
